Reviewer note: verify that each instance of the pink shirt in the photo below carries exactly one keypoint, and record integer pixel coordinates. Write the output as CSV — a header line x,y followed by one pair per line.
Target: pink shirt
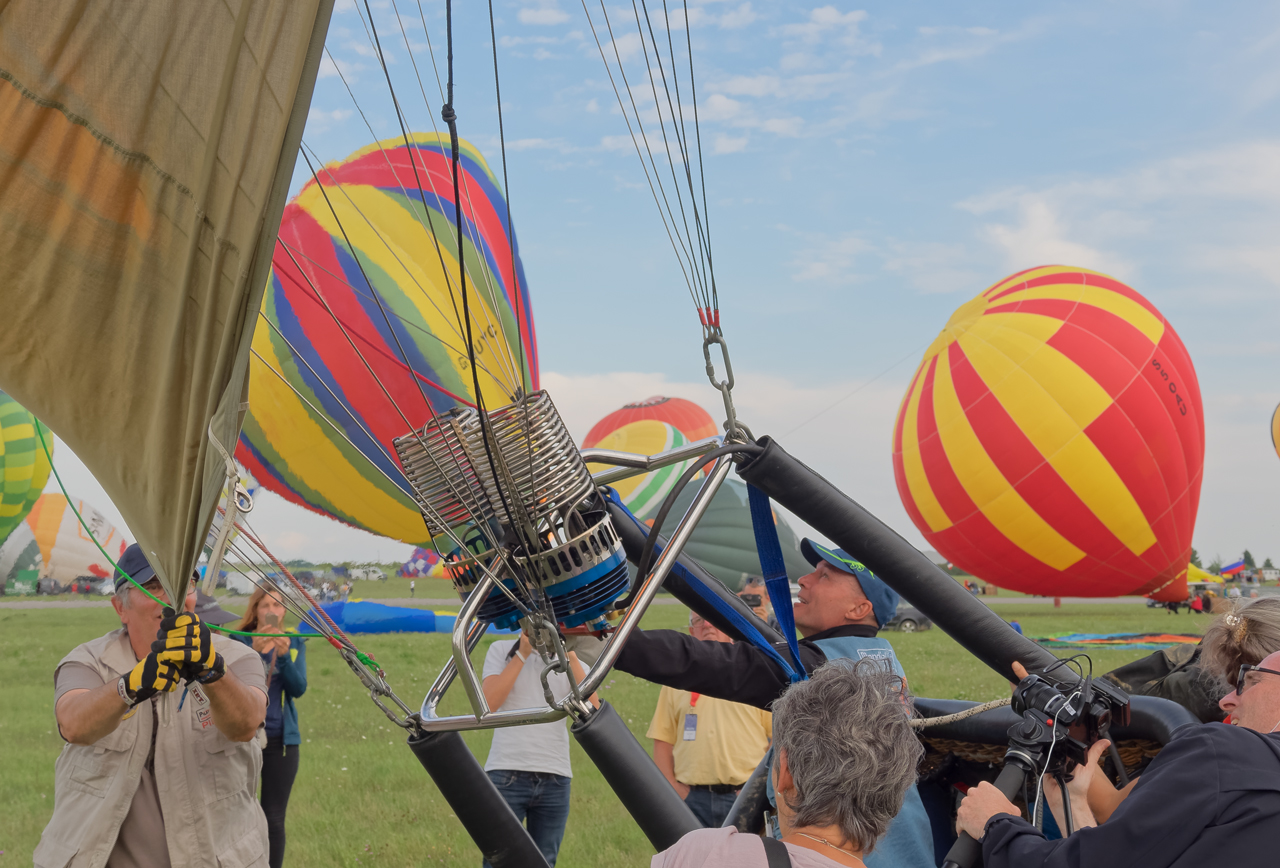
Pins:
x,y
726,848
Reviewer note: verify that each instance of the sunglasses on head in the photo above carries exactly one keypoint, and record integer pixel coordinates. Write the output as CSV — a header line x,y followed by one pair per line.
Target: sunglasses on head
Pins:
x,y
1242,684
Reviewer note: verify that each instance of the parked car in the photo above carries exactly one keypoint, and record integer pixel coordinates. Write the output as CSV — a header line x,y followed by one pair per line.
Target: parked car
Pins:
x,y
908,619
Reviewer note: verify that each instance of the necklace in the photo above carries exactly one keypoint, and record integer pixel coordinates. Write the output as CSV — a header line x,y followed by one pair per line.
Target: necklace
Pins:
x,y
829,844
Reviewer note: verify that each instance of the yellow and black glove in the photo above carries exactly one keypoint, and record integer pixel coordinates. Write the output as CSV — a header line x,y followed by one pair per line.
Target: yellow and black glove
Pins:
x,y
186,643
151,676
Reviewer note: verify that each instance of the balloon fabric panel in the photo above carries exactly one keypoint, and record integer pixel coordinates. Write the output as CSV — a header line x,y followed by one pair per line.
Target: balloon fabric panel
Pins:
x,y
1052,439
350,299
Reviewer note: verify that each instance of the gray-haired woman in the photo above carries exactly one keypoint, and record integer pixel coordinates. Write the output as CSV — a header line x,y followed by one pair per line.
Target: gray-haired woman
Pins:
x,y
845,755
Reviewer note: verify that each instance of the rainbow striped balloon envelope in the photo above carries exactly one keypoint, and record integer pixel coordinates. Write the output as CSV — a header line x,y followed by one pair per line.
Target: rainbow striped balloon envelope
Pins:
x,y
648,427
1052,439
362,336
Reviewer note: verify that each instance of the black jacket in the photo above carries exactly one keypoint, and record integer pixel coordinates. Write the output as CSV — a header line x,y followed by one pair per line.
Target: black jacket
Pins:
x,y
736,671
1212,797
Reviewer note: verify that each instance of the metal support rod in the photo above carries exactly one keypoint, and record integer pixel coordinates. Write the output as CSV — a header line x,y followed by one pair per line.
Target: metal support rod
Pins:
x,y
483,717
450,671
645,594
628,464
633,538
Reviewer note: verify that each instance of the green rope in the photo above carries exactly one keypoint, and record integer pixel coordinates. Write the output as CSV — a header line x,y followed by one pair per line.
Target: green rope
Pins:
x,y
110,559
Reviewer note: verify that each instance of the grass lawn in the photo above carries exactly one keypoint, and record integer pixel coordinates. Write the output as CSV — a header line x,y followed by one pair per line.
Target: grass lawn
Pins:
x,y
362,799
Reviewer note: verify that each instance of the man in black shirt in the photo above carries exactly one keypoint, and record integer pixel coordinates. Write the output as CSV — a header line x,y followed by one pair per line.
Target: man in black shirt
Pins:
x,y
840,599
841,607
1212,795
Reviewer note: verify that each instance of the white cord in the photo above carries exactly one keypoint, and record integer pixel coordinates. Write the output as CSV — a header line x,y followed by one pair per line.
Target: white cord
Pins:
x,y
1048,759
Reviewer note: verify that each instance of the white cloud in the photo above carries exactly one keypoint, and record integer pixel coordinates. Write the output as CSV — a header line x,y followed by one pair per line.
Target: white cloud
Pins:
x,y
1040,238
830,260
729,144
593,106
545,16
719,107
330,67
1216,210
738,18
751,85
828,21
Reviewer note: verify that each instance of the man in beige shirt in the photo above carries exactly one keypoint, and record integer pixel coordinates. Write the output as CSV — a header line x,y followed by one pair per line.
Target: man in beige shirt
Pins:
x,y
707,747
161,761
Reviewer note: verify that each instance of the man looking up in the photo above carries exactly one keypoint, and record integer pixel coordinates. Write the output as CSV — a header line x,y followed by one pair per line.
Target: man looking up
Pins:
x,y
841,608
706,747
153,775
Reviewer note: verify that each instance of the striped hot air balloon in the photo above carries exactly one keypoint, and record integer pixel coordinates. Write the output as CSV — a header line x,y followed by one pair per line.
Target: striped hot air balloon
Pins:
x,y
648,427
347,302
23,461
1052,439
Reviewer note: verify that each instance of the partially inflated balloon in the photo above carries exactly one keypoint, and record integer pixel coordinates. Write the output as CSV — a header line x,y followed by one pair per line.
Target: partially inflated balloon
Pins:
x,y
23,462
686,417
423,563
643,494
647,428
350,299
67,550
1052,440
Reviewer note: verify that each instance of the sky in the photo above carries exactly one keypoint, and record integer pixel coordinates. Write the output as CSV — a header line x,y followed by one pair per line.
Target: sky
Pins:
x,y
869,168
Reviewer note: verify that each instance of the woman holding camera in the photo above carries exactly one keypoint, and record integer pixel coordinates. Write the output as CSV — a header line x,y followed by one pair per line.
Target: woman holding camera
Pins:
x,y
1212,794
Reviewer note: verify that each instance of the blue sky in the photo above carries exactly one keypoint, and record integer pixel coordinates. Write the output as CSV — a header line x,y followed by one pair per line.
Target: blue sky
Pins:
x,y
870,167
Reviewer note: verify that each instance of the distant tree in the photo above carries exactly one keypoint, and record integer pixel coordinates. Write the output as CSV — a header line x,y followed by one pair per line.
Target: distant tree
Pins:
x,y
1215,566
298,562
1248,559
1195,559
1266,565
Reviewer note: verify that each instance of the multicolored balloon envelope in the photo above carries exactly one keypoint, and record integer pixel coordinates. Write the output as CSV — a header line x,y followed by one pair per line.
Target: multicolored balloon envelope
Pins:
x,y
423,563
67,551
648,427
23,463
362,332
1052,439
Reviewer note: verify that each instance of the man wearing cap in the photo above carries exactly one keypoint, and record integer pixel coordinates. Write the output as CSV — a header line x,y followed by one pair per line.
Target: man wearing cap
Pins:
x,y
161,761
841,608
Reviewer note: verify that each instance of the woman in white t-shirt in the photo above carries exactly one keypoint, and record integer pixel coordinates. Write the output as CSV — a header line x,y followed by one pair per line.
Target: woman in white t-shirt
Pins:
x,y
530,764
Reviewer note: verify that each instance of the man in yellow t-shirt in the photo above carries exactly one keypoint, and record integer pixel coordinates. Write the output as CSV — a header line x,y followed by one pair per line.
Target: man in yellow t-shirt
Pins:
x,y
707,747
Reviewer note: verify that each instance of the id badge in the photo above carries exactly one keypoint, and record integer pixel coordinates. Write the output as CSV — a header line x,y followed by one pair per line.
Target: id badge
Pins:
x,y
690,727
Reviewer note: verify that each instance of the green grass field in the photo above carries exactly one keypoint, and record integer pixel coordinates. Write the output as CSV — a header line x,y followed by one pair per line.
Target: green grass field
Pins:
x,y
362,799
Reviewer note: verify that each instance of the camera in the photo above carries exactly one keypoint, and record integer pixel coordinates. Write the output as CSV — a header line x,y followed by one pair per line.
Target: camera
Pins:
x,y
1069,715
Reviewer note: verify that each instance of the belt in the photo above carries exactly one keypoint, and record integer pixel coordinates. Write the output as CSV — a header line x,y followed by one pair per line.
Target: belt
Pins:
x,y
718,789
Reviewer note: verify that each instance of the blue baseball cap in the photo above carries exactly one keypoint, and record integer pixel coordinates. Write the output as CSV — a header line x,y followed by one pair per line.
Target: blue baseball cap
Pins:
x,y
133,564
884,599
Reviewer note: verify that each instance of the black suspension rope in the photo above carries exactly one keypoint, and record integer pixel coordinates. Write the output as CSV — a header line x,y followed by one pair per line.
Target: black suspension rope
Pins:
x,y
506,195
450,117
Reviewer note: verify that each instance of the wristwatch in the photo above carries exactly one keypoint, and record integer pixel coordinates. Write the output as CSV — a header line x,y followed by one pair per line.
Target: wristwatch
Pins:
x,y
122,687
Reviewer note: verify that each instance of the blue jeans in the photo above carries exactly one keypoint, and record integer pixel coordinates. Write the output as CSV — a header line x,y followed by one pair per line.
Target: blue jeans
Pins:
x,y
541,801
710,808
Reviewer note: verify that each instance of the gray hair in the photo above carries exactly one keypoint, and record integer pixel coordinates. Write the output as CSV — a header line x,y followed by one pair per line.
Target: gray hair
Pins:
x,y
122,594
850,748
1247,633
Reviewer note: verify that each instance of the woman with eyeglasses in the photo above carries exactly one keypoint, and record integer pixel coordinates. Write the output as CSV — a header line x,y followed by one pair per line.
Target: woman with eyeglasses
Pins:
x,y
1212,794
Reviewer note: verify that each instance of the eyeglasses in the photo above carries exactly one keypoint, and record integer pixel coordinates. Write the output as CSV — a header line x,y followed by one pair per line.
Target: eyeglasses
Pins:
x,y
1242,684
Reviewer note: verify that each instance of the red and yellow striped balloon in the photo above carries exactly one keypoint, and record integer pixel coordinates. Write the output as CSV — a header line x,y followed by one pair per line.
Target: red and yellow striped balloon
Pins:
x,y
1052,439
